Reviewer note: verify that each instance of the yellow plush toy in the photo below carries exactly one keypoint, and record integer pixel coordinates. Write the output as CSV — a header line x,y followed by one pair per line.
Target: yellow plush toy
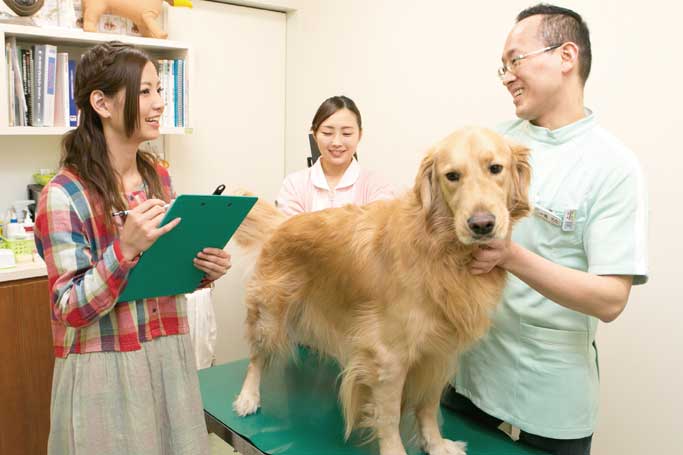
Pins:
x,y
142,12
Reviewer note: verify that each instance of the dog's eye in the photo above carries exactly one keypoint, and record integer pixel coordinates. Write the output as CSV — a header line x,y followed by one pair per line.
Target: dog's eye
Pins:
x,y
496,168
453,176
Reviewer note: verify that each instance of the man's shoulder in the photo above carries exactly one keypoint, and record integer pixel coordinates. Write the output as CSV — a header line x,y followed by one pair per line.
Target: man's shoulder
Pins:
x,y
610,150
607,141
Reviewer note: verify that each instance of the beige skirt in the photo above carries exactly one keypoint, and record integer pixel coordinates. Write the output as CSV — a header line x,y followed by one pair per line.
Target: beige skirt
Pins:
x,y
144,402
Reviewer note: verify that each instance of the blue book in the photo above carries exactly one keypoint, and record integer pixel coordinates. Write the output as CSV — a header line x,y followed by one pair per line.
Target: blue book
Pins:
x,y
73,111
182,93
178,92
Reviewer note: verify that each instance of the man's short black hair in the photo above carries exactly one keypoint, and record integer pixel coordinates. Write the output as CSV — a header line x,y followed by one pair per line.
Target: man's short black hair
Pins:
x,y
560,25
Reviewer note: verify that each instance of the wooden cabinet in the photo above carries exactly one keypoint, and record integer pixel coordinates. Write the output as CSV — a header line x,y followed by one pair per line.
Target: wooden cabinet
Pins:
x,y
26,362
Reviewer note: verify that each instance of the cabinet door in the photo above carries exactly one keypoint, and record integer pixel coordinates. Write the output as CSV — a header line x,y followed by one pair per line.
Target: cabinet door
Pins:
x,y
26,360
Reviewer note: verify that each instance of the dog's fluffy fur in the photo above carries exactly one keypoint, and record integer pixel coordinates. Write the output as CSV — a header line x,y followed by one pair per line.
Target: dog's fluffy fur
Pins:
x,y
385,288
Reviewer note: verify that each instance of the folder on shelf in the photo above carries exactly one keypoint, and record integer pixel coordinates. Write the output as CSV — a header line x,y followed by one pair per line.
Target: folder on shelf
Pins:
x,y
166,268
62,90
18,109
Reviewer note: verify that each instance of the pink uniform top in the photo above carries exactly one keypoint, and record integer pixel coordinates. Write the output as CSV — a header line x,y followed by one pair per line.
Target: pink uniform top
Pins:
x,y
307,190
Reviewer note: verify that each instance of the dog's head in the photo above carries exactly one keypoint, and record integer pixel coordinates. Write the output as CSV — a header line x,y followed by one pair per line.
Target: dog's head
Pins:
x,y
474,182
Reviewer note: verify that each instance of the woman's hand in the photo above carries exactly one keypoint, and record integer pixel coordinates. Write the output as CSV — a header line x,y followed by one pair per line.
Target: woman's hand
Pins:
x,y
141,230
214,262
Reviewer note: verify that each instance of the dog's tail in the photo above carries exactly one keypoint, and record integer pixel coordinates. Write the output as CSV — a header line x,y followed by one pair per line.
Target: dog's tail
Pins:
x,y
259,224
355,392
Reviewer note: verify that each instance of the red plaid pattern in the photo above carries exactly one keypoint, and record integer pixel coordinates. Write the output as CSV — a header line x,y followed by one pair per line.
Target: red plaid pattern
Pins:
x,y
86,272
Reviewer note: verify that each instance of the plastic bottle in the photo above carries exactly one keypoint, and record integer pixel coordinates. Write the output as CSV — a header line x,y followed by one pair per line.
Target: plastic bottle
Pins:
x,y
14,229
28,223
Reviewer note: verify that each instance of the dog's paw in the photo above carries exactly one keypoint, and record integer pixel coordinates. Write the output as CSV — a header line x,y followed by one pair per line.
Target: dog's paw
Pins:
x,y
397,450
448,447
246,404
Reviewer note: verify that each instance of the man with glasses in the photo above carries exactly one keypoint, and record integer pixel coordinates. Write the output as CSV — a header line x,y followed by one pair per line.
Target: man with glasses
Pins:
x,y
571,263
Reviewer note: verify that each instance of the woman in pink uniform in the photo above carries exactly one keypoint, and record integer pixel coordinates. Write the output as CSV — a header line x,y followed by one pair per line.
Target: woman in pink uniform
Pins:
x,y
336,178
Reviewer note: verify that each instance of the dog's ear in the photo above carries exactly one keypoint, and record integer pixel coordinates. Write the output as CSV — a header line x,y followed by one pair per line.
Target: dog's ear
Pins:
x,y
425,182
521,177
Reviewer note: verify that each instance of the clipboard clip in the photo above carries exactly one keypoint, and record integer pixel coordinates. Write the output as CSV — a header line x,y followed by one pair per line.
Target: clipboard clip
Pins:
x,y
219,190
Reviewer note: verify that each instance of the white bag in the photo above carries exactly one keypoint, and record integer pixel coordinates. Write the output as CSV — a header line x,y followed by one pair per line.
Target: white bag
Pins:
x,y
202,321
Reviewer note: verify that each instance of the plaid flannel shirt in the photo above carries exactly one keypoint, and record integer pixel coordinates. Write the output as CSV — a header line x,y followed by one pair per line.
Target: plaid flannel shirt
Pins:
x,y
87,271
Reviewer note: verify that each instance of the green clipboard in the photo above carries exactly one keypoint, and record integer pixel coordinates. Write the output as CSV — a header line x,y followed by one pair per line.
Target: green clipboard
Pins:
x,y
166,268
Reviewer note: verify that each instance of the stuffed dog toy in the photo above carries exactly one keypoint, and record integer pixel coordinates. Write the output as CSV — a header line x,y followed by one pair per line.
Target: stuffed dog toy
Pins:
x,y
142,12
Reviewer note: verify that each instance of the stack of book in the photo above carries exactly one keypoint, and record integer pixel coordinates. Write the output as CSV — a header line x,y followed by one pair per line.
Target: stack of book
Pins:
x,y
41,87
40,83
174,81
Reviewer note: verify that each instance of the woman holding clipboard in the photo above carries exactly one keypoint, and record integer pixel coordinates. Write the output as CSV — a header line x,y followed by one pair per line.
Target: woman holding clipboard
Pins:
x,y
124,378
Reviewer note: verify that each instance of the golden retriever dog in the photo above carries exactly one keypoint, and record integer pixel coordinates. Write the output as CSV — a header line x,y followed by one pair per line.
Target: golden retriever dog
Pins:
x,y
385,288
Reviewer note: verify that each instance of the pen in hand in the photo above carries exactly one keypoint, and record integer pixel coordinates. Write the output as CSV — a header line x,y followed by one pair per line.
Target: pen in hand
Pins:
x,y
125,212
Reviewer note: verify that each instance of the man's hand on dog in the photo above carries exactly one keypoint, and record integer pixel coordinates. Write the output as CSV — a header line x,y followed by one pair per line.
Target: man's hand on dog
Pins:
x,y
487,256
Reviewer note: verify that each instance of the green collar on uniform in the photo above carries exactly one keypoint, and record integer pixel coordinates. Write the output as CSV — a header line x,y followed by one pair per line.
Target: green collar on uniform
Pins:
x,y
561,135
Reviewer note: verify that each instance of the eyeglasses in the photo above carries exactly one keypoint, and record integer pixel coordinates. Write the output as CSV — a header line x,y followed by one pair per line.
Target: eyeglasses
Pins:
x,y
514,63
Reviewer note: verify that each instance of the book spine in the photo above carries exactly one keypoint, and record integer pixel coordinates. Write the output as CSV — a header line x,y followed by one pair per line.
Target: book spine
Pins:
x,y
10,84
176,93
171,94
24,79
19,81
38,79
50,85
73,111
31,80
181,91
186,95
61,117
27,80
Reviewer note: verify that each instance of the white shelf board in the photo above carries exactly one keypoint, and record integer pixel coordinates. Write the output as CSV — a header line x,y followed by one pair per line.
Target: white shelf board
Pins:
x,y
68,35
33,131
60,130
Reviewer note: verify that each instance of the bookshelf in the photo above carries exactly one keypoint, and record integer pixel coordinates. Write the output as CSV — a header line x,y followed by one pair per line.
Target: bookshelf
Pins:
x,y
75,42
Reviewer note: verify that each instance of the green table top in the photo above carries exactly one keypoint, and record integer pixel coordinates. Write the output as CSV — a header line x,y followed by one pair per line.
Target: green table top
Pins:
x,y
300,415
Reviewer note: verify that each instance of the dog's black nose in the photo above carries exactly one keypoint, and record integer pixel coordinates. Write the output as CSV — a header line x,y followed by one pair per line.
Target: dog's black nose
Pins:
x,y
482,223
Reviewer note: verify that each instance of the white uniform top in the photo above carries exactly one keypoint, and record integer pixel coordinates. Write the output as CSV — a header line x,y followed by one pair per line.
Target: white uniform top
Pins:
x,y
537,368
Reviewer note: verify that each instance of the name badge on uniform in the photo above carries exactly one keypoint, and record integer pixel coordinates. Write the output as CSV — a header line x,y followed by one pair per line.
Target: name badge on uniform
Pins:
x,y
547,215
569,220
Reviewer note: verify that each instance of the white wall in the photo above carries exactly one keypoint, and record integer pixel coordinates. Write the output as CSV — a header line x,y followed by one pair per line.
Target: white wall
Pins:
x,y
238,114
20,158
421,69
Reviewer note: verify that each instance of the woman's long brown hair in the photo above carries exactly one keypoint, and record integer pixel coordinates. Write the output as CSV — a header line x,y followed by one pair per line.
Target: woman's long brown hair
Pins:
x,y
108,67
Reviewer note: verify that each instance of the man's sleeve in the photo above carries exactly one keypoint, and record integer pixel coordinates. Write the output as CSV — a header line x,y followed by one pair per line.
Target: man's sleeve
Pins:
x,y
615,235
